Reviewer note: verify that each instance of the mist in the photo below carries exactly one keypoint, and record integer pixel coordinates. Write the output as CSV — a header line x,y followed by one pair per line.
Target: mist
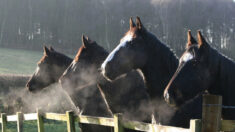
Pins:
x,y
52,99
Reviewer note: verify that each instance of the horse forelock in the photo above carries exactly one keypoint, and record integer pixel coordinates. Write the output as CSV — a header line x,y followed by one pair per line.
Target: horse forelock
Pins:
x,y
128,36
187,56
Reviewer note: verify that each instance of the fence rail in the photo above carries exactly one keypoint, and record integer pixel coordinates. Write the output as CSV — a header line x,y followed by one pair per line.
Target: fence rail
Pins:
x,y
118,122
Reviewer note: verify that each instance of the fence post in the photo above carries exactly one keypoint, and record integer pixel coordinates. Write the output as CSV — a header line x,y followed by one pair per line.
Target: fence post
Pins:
x,y
117,123
40,121
153,127
70,121
4,122
195,125
211,113
19,122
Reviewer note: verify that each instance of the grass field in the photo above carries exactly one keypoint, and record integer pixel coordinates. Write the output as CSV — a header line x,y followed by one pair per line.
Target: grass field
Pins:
x,y
31,126
18,61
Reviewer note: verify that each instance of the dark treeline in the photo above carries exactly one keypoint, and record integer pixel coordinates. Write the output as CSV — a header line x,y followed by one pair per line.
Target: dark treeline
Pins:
x,y
29,24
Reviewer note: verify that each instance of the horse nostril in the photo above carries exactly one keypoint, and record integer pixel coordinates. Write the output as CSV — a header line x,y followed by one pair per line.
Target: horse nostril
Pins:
x,y
30,88
27,85
99,70
61,79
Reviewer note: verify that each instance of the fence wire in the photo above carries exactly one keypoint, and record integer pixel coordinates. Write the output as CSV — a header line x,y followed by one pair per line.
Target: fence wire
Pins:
x,y
223,106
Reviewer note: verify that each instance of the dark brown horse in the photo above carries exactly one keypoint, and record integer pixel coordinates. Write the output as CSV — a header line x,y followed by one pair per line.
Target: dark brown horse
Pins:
x,y
49,69
126,95
140,49
203,68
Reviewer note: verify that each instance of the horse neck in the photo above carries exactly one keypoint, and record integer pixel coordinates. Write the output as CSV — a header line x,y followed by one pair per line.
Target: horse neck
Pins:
x,y
93,104
117,96
60,66
223,83
159,68
89,100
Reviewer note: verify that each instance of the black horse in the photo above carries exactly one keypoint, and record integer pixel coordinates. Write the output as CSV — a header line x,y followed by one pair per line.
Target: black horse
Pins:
x,y
140,49
126,95
203,68
50,68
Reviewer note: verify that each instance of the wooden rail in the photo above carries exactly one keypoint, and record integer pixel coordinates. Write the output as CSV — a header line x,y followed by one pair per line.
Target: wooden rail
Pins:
x,y
118,122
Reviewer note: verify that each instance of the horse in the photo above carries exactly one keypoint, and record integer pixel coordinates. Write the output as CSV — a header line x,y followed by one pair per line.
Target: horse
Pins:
x,y
50,68
140,49
126,95
202,68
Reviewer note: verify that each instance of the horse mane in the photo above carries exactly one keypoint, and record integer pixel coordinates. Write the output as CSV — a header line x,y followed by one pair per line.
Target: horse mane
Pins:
x,y
63,59
225,66
79,53
42,59
95,49
223,82
164,51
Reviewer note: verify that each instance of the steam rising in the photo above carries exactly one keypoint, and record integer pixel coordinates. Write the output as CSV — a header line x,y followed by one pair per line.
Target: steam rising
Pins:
x,y
80,90
83,94
51,99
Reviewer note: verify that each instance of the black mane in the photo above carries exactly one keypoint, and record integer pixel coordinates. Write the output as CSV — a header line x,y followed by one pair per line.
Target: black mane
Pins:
x,y
163,58
63,59
223,83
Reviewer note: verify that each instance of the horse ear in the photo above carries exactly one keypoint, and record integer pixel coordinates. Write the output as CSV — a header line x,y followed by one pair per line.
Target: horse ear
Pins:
x,y
191,40
201,39
51,49
46,50
132,24
88,39
85,42
139,23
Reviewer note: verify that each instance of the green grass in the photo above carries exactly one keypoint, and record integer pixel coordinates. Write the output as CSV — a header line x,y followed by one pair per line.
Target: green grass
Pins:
x,y
14,61
17,61
31,126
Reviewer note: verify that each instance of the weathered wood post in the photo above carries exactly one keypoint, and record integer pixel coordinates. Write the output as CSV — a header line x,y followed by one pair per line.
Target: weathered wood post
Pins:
x,y
40,121
77,120
211,113
19,122
117,123
195,125
4,122
70,121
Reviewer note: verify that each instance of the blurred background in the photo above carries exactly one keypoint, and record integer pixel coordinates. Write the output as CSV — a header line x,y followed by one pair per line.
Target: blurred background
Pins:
x,y
28,24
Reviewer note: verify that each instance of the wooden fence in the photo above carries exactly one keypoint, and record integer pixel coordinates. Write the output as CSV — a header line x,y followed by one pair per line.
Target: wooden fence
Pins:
x,y
210,122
